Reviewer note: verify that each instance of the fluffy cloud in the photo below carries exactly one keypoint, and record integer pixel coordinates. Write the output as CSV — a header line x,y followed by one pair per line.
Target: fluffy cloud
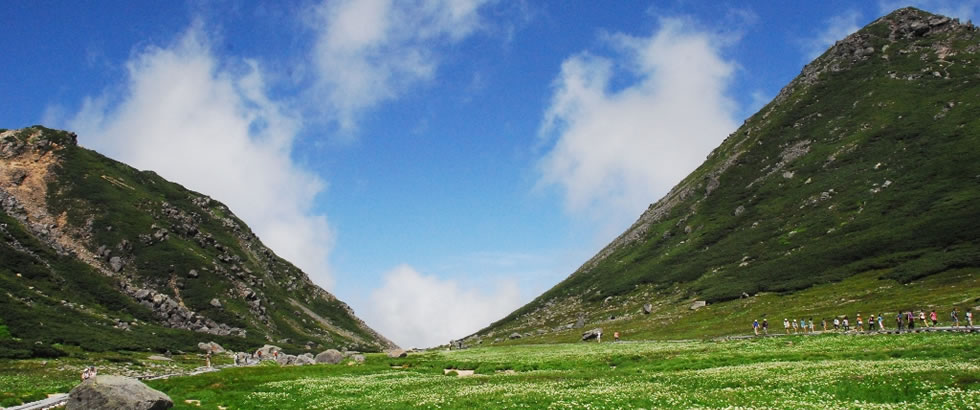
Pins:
x,y
369,51
616,150
211,126
422,311
837,27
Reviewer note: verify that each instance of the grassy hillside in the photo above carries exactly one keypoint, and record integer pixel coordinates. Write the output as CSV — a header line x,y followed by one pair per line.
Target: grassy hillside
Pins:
x,y
97,254
866,165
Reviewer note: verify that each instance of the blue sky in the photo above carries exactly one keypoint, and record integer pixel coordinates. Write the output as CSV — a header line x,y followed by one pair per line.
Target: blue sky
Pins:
x,y
435,164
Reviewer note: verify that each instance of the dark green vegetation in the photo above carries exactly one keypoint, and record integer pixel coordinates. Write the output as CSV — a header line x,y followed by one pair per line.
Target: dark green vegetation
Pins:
x,y
832,371
99,255
868,164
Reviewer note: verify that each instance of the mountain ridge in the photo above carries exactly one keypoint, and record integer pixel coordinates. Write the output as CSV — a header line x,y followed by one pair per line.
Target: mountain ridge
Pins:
x,y
780,206
158,255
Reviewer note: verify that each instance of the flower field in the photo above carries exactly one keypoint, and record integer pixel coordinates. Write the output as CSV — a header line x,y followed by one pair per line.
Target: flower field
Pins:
x,y
927,371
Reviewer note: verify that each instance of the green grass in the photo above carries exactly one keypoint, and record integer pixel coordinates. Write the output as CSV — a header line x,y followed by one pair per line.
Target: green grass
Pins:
x,y
828,371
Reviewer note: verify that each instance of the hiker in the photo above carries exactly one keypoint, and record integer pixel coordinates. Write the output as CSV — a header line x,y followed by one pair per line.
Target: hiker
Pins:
x,y
969,318
88,373
786,325
910,319
922,317
207,359
813,326
796,326
871,323
824,322
846,325
836,324
802,325
765,325
616,336
755,326
934,318
881,321
954,317
598,336
860,326
898,321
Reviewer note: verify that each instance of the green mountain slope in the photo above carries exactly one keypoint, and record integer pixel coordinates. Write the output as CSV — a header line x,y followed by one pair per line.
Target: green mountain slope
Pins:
x,y
97,254
861,178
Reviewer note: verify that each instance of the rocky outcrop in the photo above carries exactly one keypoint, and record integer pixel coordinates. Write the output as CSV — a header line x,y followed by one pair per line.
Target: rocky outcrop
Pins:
x,y
329,356
177,316
396,353
116,393
592,334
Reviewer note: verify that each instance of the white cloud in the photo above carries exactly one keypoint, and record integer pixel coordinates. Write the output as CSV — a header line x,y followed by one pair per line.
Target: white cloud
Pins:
x,y
617,151
211,126
961,9
370,51
417,310
837,27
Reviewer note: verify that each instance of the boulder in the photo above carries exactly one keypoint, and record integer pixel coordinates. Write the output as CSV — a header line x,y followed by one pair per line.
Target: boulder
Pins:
x,y
267,352
396,353
215,302
331,356
647,308
211,346
698,304
580,323
514,335
116,263
286,359
358,358
591,334
116,392
304,359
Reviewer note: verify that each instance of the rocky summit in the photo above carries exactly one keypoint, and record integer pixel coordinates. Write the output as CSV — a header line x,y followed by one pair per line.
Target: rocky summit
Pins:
x,y
855,188
103,256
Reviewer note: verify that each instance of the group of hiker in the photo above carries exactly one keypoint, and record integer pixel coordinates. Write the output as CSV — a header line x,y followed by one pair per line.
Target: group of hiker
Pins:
x,y
903,321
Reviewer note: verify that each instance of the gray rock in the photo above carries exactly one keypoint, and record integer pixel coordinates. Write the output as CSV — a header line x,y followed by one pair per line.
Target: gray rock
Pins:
x,y
192,273
514,335
396,353
739,210
116,392
647,308
304,359
591,334
330,356
286,359
267,352
215,302
580,323
116,263
698,304
211,346
358,358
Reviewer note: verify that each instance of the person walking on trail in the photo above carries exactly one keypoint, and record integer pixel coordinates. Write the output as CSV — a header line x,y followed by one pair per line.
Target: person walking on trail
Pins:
x,y
881,321
954,316
871,323
802,325
898,321
207,359
755,326
796,326
846,325
934,318
786,325
598,336
969,318
616,336
824,322
860,323
836,324
910,319
922,317
765,326
813,326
